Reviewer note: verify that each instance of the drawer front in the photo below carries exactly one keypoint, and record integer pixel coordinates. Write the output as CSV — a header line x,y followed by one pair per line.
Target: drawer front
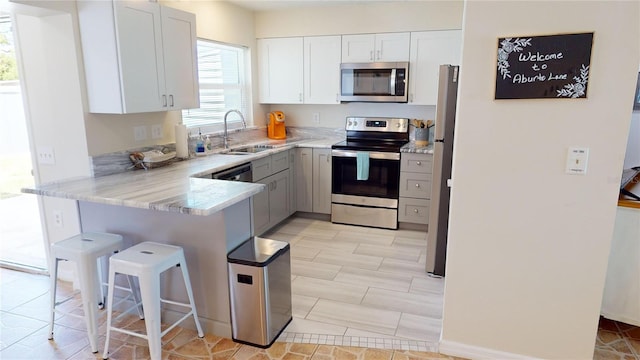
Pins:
x,y
261,168
420,163
413,210
415,185
279,161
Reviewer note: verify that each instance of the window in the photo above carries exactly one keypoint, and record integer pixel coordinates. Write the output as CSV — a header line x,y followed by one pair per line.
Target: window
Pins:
x,y
223,86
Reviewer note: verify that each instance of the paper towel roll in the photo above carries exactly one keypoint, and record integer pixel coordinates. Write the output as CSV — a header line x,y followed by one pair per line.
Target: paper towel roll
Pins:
x,y
182,141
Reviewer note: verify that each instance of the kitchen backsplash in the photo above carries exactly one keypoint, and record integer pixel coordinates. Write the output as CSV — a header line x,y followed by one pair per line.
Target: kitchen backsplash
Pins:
x,y
117,162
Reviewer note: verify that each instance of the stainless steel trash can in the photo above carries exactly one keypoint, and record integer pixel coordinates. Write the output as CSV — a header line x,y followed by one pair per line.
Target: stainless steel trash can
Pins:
x,y
259,290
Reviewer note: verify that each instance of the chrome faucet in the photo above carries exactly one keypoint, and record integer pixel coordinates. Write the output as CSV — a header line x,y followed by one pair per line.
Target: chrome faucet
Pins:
x,y
225,137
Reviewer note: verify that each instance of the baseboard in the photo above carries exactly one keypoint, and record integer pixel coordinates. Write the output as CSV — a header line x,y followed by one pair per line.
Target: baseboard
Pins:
x,y
453,348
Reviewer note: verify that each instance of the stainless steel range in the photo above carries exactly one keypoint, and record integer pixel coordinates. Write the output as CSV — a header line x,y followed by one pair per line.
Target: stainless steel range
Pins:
x,y
366,172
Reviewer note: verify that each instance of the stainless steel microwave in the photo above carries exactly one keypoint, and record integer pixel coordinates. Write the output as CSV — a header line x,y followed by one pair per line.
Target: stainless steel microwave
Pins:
x,y
374,82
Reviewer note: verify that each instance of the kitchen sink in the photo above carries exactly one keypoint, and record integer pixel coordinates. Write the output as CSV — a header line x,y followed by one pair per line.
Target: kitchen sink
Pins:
x,y
246,150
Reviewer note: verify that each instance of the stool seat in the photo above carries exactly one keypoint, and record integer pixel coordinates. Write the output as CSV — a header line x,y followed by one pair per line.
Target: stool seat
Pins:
x,y
87,244
85,249
147,261
148,256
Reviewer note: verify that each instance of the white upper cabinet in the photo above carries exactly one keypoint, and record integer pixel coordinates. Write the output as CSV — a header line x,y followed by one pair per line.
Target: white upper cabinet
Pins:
x,y
280,63
138,57
430,49
322,69
180,58
375,47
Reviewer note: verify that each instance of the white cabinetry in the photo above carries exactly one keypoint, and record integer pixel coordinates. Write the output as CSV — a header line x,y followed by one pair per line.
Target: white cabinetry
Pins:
x,y
272,205
322,181
429,50
280,70
621,298
138,57
299,70
322,69
415,188
375,47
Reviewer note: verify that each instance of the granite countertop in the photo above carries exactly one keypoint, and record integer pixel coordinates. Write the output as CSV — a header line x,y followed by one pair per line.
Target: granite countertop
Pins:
x,y
411,147
176,187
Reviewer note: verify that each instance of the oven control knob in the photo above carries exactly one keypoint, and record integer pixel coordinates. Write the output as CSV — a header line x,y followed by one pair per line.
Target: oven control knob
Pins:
x,y
398,125
348,123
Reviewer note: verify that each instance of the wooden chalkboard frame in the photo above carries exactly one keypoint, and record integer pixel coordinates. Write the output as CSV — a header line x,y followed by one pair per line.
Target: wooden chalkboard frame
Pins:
x,y
546,66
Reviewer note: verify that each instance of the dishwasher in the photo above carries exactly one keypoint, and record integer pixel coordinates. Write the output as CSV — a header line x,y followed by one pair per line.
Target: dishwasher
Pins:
x,y
237,173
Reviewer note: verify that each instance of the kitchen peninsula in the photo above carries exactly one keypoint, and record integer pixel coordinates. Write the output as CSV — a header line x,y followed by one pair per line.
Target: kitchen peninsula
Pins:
x,y
175,204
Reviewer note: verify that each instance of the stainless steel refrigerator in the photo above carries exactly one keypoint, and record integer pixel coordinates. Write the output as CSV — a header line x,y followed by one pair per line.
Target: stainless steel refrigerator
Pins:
x,y
442,157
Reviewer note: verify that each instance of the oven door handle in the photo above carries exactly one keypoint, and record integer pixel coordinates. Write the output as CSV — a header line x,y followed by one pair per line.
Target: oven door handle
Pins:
x,y
372,154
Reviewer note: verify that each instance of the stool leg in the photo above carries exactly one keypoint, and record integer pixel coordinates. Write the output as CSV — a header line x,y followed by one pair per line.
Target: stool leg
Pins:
x,y
101,296
110,290
150,293
88,282
136,296
187,284
53,278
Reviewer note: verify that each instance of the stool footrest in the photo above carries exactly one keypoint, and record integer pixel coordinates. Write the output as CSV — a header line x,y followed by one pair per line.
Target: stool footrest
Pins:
x,y
129,332
190,313
175,303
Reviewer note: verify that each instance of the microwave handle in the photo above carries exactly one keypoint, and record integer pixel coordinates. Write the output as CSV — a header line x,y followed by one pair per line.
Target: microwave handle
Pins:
x,y
392,82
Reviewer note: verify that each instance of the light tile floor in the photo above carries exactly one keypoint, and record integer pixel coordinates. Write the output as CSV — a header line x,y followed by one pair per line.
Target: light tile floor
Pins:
x,y
314,333
360,286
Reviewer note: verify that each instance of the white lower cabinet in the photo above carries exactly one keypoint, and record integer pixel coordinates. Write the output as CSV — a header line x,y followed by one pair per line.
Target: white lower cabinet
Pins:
x,y
271,206
621,297
415,188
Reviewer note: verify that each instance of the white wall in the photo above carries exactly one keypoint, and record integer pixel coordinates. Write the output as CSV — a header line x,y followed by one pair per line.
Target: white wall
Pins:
x,y
53,109
528,244
368,17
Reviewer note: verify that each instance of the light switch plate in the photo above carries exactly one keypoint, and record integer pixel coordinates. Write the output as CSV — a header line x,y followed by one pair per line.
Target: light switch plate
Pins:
x,y
156,131
577,159
46,156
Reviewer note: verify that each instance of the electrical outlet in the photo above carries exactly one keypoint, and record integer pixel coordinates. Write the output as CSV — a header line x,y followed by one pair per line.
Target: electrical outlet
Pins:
x,y
156,132
57,218
140,133
46,156
316,118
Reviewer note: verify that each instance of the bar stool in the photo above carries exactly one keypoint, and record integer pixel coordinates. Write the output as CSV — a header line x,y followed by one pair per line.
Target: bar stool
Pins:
x,y
147,261
85,250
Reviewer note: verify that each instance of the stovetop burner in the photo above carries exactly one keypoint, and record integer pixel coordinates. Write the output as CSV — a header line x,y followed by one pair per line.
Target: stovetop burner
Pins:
x,y
375,134
363,145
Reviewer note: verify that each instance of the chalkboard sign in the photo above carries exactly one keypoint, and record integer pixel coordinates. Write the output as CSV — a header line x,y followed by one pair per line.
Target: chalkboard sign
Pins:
x,y
552,66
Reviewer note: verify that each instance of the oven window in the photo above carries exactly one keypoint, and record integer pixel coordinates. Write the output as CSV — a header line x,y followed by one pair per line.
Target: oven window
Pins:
x,y
383,182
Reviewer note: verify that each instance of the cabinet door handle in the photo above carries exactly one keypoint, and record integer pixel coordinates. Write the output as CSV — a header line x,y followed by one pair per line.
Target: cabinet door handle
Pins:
x,y
418,163
378,55
415,211
164,100
417,185
337,98
300,97
371,55
410,97
171,100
